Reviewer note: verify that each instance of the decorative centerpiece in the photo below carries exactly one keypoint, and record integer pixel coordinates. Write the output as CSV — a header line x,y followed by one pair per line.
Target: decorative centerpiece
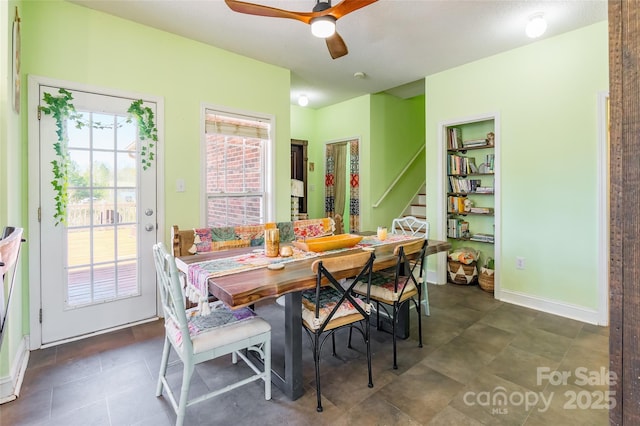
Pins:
x,y
332,242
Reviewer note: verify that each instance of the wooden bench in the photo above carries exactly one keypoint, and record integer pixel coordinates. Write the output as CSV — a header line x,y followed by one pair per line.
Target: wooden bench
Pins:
x,y
184,240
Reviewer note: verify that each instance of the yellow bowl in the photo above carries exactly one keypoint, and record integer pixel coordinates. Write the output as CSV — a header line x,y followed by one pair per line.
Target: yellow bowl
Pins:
x,y
332,242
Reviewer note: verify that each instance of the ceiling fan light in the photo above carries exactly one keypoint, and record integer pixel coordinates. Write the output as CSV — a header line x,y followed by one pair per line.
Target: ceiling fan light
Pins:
x,y
536,26
323,26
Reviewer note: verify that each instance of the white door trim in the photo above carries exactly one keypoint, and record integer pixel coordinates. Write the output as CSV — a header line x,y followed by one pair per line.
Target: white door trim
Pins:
x,y
35,300
441,228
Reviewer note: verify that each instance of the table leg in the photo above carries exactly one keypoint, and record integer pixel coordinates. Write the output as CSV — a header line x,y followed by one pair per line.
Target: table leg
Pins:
x,y
293,345
286,374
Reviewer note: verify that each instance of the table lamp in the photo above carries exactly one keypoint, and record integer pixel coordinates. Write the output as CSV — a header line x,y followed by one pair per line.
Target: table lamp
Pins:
x,y
297,191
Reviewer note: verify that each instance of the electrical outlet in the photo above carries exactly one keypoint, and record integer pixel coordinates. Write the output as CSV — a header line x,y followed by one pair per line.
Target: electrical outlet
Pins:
x,y
519,262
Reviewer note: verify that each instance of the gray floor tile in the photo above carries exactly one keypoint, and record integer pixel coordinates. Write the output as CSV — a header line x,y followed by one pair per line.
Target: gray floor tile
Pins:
x,y
474,347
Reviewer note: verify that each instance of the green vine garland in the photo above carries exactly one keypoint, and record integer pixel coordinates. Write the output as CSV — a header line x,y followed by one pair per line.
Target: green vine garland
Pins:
x,y
61,109
146,129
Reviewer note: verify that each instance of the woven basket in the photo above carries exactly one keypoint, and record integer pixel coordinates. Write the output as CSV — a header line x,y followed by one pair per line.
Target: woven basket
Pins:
x,y
485,279
460,273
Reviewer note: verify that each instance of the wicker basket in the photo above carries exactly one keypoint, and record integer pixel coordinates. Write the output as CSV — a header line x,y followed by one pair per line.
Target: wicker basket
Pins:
x,y
485,279
460,273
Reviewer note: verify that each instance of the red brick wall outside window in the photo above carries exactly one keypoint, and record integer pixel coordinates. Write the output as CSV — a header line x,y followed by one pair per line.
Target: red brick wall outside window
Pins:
x,y
235,169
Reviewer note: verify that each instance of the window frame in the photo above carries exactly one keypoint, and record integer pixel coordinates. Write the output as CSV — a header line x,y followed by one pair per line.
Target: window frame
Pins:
x,y
269,158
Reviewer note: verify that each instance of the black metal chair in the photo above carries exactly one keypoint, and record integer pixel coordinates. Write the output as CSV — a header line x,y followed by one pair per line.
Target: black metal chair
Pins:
x,y
398,287
330,306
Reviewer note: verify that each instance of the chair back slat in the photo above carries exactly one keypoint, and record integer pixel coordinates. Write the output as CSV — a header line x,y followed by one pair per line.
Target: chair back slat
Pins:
x,y
171,292
410,225
410,258
331,269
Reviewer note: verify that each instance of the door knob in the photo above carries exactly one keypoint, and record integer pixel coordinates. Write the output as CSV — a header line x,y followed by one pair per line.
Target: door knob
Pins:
x,y
148,212
149,227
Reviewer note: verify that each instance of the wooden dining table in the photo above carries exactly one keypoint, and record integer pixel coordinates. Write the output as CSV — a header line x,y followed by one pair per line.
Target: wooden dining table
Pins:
x,y
248,287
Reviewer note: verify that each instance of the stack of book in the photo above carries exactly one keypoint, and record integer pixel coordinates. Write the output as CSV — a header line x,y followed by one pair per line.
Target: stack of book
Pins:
x,y
474,143
484,190
481,210
457,228
484,238
458,165
468,186
454,136
455,204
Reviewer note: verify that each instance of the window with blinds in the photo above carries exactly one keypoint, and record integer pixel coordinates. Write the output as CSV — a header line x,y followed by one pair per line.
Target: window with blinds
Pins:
x,y
236,151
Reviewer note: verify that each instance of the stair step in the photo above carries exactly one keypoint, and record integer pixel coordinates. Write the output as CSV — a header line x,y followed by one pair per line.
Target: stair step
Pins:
x,y
417,216
416,210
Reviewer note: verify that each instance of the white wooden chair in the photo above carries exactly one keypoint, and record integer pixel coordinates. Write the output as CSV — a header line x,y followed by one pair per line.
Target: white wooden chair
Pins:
x,y
10,242
411,225
198,338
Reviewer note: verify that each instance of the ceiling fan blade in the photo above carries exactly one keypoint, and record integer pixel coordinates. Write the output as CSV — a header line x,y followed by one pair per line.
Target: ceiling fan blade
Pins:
x,y
260,10
337,47
348,6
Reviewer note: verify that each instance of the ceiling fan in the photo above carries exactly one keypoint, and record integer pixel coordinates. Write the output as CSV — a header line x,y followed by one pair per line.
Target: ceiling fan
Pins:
x,y
322,19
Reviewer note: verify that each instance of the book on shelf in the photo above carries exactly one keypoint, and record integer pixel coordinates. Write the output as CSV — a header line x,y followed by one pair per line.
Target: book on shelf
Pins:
x,y
459,165
484,190
481,210
454,136
455,204
483,238
457,228
490,160
461,185
472,143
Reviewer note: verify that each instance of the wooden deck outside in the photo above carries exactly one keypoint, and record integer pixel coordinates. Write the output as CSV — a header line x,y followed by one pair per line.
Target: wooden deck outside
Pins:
x,y
112,273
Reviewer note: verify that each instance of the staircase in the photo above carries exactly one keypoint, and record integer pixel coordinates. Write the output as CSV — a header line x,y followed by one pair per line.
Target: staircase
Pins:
x,y
418,206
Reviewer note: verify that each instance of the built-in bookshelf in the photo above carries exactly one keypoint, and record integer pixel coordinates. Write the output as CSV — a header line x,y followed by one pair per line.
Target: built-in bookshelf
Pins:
x,y
470,183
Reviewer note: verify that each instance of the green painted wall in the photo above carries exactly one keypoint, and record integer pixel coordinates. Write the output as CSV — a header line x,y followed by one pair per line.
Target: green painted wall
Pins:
x,y
64,41
12,202
70,42
397,135
342,121
391,131
546,94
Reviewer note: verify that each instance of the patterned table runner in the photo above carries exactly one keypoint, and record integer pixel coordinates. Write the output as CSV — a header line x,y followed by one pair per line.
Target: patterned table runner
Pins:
x,y
199,273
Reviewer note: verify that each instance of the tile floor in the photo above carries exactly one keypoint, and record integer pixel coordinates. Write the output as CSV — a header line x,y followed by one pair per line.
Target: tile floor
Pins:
x,y
479,365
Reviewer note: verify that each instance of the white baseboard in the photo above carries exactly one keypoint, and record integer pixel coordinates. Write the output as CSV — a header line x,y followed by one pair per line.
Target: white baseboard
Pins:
x,y
10,385
550,306
432,278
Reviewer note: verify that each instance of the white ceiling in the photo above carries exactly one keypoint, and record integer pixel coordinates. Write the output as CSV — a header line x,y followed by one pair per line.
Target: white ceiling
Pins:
x,y
394,42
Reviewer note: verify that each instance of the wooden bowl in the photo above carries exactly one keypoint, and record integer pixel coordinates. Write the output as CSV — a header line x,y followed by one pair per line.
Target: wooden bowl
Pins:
x,y
332,242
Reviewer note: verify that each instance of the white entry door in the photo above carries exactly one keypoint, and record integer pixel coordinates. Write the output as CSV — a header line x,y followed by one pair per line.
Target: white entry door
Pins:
x,y
97,268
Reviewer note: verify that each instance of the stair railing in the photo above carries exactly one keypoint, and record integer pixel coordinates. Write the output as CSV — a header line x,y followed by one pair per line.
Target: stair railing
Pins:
x,y
397,179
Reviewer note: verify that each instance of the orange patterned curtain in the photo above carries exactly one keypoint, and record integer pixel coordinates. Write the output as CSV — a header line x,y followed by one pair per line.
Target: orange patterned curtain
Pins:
x,y
354,183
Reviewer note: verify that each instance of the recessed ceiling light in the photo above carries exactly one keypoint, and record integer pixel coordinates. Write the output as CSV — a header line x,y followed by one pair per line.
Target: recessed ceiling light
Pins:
x,y
303,100
536,26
